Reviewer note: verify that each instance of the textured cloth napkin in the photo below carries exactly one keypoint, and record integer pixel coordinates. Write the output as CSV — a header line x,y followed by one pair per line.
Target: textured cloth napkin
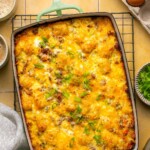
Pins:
x,y
12,136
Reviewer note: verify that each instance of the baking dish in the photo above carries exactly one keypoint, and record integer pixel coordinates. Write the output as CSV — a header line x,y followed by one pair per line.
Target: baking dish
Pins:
x,y
72,17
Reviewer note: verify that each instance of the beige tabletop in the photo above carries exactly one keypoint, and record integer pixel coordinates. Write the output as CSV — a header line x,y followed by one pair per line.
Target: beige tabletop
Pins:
x,y
141,46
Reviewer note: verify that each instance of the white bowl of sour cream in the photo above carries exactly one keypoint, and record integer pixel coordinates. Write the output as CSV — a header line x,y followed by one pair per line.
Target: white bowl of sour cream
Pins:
x,y
7,8
3,52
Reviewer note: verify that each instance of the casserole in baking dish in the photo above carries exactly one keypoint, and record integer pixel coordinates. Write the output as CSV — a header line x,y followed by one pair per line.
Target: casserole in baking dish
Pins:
x,y
74,86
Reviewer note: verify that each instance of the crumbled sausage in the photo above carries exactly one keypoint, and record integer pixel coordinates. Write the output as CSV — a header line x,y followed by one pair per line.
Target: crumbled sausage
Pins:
x,y
59,81
45,50
59,97
28,91
91,147
35,31
44,57
60,120
93,76
103,82
111,33
60,39
117,46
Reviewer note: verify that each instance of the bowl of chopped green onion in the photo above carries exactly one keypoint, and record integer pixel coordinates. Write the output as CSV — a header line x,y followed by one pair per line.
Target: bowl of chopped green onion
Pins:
x,y
142,84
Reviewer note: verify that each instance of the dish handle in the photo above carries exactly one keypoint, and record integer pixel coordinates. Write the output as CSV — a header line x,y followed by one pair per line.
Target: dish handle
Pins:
x,y
58,6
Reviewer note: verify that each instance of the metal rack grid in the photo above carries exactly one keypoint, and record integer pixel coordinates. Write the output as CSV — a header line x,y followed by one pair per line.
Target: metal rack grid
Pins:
x,y
125,22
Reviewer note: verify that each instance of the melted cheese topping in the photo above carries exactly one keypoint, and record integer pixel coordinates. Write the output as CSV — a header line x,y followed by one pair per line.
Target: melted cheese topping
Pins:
x,y
73,86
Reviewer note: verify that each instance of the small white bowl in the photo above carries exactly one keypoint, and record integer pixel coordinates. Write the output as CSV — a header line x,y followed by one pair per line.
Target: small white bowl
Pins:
x,y
10,11
5,51
140,95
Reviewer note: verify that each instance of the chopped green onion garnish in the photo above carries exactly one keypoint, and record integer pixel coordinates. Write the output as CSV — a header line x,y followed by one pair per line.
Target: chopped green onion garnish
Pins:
x,y
66,94
79,109
92,125
98,97
45,40
76,115
86,131
40,66
86,74
54,105
50,93
71,142
97,138
70,53
84,94
86,84
58,75
78,99
67,78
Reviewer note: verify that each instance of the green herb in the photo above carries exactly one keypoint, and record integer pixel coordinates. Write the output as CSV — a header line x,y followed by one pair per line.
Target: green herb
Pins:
x,y
47,95
44,42
92,125
86,131
40,66
51,93
58,75
79,119
66,94
86,74
86,84
72,142
70,53
84,94
97,138
54,105
52,45
144,82
98,130
76,115
67,78
86,81
98,97
78,110
78,99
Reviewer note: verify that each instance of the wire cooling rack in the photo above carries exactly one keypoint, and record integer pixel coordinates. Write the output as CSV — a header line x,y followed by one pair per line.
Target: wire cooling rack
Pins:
x,y
125,22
